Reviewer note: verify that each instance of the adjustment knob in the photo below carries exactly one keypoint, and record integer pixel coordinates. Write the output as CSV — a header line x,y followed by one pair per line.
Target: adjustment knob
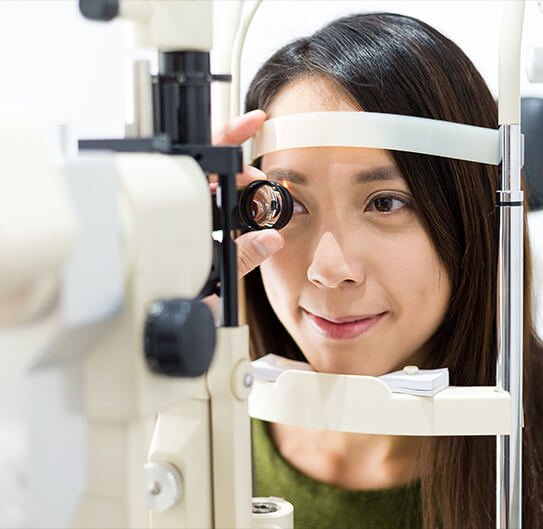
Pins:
x,y
179,337
104,10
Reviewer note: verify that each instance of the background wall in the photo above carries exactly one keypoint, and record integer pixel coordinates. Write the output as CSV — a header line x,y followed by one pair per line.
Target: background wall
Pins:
x,y
473,24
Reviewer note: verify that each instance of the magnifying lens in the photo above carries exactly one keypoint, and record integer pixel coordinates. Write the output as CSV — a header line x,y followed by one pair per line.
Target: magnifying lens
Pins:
x,y
261,205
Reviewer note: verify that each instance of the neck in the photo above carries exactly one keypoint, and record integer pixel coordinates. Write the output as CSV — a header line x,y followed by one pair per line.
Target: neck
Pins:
x,y
348,460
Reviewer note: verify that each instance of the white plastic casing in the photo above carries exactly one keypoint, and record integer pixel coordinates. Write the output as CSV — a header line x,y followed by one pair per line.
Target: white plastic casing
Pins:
x,y
38,224
366,405
171,25
378,131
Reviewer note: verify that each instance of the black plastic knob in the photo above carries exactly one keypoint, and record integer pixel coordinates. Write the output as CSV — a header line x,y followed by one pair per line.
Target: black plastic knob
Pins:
x,y
99,9
179,337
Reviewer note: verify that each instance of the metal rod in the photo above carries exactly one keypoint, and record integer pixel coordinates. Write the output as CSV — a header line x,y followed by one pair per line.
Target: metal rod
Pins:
x,y
509,200
143,99
227,195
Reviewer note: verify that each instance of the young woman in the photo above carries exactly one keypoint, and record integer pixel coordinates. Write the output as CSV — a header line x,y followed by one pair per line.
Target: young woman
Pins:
x,y
389,260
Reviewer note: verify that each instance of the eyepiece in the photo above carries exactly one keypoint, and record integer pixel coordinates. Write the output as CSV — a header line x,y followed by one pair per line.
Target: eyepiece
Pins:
x,y
265,204
260,205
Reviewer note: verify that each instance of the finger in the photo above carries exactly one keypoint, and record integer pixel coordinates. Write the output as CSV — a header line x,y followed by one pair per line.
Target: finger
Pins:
x,y
255,247
236,131
250,174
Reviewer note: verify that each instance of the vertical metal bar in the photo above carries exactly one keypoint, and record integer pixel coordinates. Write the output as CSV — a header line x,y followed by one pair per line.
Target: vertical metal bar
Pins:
x,y
143,99
509,201
227,195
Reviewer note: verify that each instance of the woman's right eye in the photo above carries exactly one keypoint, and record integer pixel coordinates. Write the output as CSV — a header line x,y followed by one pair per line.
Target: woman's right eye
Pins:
x,y
297,207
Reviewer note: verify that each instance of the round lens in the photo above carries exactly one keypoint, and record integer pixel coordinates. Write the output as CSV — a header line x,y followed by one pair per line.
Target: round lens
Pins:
x,y
265,204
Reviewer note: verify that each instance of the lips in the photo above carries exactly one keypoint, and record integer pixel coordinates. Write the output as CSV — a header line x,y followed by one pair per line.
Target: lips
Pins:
x,y
343,328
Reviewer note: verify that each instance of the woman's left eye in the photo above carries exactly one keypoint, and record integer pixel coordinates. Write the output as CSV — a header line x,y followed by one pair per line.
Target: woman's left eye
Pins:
x,y
386,204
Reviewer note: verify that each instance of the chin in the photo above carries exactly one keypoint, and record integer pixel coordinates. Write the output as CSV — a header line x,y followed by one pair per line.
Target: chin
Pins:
x,y
346,368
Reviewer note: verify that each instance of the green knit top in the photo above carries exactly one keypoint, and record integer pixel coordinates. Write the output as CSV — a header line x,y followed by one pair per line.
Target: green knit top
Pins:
x,y
319,505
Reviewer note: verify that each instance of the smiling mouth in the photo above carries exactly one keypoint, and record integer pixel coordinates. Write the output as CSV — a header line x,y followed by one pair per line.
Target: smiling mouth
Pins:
x,y
344,328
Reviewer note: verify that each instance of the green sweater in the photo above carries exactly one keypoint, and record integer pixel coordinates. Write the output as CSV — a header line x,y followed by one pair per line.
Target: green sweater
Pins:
x,y
319,505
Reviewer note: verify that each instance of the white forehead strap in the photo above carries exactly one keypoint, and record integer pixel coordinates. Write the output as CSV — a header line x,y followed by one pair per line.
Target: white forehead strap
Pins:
x,y
378,131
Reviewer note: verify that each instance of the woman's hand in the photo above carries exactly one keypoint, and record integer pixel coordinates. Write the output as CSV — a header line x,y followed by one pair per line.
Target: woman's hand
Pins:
x,y
253,247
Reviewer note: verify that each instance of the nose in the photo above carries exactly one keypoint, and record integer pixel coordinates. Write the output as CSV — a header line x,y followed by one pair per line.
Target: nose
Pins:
x,y
334,264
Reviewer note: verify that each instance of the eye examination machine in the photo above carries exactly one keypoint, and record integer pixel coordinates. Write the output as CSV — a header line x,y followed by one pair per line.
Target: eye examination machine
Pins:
x,y
157,390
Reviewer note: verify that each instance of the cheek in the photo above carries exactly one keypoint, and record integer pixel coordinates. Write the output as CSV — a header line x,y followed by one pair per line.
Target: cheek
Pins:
x,y
282,280
417,281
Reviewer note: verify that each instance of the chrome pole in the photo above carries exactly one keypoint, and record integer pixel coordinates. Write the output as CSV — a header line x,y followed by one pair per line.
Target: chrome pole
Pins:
x,y
509,201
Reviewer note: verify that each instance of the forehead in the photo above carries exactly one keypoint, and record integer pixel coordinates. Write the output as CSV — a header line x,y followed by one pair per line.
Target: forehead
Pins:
x,y
328,160
317,94
311,94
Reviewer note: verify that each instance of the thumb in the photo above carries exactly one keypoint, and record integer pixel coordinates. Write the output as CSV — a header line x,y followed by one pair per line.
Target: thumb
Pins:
x,y
256,247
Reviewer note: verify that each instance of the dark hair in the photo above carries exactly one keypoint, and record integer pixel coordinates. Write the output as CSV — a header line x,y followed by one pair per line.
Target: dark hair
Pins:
x,y
396,64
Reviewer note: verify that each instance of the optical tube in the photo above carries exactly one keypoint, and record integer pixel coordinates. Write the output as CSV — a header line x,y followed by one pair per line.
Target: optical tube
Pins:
x,y
182,97
260,205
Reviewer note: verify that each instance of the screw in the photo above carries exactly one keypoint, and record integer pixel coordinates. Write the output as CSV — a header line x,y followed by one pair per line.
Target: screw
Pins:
x,y
248,380
264,507
410,370
155,488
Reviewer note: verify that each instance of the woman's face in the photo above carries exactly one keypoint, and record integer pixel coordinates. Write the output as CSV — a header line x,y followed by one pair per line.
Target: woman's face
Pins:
x,y
358,283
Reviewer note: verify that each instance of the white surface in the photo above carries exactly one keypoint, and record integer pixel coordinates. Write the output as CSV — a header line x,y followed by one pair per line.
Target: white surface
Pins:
x,y
57,441
283,518
269,367
380,131
38,224
535,65
474,25
170,26
509,63
67,69
366,405
411,379
426,382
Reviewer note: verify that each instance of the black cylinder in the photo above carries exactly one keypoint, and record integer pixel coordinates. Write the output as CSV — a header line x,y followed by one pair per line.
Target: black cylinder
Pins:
x,y
103,10
182,97
179,337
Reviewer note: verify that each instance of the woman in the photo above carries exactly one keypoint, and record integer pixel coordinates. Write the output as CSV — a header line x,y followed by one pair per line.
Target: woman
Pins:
x,y
390,260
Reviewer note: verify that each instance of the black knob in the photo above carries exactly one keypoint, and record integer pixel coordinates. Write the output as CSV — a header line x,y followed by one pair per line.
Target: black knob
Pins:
x,y
179,337
99,9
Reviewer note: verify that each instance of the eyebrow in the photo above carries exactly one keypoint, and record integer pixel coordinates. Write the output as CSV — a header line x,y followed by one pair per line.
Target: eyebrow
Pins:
x,y
363,177
377,174
287,175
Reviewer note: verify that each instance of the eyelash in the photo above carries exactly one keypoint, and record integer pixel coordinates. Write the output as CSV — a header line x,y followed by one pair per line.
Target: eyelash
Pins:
x,y
404,201
388,196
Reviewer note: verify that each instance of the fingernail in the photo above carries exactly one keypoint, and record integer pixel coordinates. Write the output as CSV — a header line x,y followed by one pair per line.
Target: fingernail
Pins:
x,y
267,243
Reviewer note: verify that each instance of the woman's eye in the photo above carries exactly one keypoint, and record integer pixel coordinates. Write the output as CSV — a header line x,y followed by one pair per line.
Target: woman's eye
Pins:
x,y
386,204
297,207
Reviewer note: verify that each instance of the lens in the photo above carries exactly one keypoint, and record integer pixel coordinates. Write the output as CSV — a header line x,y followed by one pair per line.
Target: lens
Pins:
x,y
264,205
